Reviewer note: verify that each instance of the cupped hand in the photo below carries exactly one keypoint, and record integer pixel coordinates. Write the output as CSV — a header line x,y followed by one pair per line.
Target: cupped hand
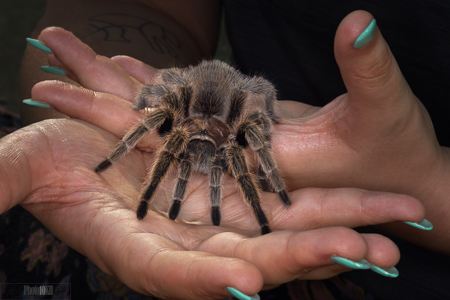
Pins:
x,y
95,213
377,136
49,165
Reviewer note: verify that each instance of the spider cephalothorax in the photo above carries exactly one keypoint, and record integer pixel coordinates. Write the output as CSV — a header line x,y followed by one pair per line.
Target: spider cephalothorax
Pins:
x,y
207,115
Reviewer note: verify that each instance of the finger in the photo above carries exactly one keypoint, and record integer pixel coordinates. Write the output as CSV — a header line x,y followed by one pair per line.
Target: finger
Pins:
x,y
55,62
150,264
382,254
285,255
136,68
106,111
315,208
376,87
92,71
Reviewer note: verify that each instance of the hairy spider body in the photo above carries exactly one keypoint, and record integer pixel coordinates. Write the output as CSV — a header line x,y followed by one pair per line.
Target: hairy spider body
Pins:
x,y
207,115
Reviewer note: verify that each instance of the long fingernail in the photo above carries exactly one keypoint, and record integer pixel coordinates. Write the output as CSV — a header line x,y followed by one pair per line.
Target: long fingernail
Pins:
x,y
39,45
240,295
360,265
36,103
392,272
424,225
53,70
366,36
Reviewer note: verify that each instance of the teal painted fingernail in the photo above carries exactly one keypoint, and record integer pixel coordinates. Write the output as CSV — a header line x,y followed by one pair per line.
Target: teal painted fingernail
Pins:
x,y
53,70
240,295
366,36
392,272
424,225
36,103
39,45
360,265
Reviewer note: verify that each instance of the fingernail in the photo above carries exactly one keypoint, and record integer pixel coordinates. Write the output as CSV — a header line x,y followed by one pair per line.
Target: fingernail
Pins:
x,y
361,265
39,45
392,272
36,103
366,36
240,295
53,70
424,225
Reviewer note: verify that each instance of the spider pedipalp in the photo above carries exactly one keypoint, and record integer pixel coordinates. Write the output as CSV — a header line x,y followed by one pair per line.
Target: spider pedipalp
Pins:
x,y
207,114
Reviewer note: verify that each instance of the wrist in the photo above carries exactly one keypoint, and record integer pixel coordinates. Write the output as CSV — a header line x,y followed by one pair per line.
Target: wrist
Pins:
x,y
15,175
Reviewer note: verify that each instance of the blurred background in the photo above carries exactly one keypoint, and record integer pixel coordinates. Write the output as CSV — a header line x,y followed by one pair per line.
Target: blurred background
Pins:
x,y
17,19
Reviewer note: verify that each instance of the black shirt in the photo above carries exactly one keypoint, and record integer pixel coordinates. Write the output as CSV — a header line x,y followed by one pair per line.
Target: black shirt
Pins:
x,y
290,42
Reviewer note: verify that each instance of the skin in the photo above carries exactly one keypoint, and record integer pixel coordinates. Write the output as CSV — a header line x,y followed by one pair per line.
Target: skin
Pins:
x,y
377,130
95,214
195,24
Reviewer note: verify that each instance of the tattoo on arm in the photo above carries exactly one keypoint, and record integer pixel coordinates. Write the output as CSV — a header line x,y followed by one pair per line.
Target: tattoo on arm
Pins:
x,y
115,27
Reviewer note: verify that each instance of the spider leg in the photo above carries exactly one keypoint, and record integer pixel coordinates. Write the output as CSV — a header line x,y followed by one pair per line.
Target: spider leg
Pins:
x,y
130,140
185,98
238,97
173,76
257,134
262,87
263,183
180,189
236,161
169,76
175,143
215,178
142,98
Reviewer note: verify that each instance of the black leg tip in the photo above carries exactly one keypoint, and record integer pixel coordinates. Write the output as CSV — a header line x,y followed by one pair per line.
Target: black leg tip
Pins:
x,y
265,229
216,216
174,209
103,166
142,210
285,198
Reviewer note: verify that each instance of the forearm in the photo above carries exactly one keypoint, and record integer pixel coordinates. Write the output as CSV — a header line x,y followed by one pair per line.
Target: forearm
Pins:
x,y
161,35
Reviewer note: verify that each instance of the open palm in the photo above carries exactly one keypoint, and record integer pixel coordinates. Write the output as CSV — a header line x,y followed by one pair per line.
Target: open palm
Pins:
x,y
95,213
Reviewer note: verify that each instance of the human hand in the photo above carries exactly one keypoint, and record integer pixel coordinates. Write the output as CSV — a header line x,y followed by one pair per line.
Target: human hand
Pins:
x,y
101,207
378,136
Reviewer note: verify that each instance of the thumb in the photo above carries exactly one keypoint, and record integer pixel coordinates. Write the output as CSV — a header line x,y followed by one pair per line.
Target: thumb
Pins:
x,y
376,87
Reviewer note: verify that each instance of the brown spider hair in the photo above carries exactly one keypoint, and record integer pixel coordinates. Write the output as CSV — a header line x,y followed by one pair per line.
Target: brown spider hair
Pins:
x,y
207,114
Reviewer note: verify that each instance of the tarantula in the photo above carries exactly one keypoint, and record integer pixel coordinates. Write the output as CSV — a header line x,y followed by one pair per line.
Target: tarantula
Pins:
x,y
207,114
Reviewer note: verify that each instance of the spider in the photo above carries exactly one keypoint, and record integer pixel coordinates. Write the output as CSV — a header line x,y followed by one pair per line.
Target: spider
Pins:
x,y
207,114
